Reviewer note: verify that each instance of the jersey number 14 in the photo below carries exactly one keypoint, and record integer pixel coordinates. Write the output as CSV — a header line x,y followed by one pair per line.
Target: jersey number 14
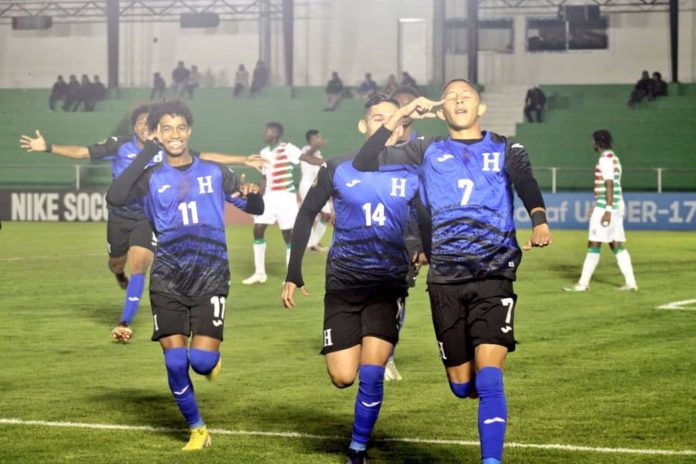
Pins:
x,y
376,216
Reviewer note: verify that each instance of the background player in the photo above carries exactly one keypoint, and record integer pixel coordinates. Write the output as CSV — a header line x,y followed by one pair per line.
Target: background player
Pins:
x,y
128,233
467,180
366,271
309,173
280,195
606,217
184,199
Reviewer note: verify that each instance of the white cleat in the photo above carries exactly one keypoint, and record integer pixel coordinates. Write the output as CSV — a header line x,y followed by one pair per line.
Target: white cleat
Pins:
x,y
255,279
576,288
390,372
628,288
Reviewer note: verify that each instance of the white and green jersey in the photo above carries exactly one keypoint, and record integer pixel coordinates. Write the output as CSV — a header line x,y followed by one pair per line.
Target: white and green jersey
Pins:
x,y
608,168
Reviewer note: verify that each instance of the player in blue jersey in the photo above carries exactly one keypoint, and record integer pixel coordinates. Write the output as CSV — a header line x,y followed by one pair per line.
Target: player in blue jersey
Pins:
x,y
366,271
129,235
467,180
183,197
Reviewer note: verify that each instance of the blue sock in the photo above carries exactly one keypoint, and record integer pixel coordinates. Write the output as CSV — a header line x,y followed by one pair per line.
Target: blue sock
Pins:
x,y
176,360
134,292
492,413
367,404
461,390
203,362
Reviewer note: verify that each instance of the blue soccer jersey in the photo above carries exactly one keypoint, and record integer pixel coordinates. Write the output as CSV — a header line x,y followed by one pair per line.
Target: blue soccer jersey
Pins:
x,y
372,209
467,187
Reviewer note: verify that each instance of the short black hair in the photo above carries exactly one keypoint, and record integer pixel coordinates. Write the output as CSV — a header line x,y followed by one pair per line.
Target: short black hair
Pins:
x,y
406,89
171,108
277,126
603,139
143,108
310,133
376,100
464,81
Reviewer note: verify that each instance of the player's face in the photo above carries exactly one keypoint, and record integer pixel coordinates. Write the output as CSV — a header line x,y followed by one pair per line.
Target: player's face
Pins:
x,y
462,106
174,134
140,128
376,117
270,136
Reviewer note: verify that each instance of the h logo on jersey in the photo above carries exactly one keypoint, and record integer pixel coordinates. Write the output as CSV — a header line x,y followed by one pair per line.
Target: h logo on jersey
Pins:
x,y
205,184
327,338
491,161
398,187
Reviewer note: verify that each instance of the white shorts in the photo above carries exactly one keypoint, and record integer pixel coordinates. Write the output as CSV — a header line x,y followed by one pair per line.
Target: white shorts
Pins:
x,y
280,207
304,188
614,232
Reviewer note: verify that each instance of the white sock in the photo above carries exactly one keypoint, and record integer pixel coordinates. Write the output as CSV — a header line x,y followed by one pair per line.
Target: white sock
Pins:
x,y
260,258
624,261
588,268
313,237
287,255
319,230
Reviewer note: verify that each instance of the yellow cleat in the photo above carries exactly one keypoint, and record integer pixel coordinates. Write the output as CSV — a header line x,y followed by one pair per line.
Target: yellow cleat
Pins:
x,y
215,373
200,438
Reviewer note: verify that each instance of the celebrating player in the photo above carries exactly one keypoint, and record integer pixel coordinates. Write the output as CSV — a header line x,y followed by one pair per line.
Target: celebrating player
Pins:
x,y
467,180
184,198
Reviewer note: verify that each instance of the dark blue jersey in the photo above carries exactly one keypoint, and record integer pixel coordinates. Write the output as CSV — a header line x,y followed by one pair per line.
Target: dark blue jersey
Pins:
x,y
372,209
467,188
186,208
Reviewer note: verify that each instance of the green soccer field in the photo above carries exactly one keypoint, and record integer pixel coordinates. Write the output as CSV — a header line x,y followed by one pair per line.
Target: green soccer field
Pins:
x,y
602,377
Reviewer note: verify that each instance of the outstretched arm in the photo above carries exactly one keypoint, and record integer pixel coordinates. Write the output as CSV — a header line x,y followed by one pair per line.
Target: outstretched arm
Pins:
x,y
39,143
253,161
122,191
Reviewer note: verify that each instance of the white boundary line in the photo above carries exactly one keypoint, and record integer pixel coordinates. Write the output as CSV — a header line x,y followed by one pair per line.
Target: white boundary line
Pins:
x,y
147,428
679,305
49,256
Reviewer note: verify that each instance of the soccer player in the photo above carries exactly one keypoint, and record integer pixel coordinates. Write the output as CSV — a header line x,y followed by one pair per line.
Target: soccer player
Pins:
x,y
280,195
128,233
366,271
606,217
309,173
183,198
467,181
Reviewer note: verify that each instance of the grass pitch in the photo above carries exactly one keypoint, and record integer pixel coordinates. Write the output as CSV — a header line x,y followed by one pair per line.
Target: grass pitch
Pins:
x,y
604,369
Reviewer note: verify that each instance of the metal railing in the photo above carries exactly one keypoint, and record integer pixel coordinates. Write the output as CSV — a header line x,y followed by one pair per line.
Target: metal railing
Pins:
x,y
658,172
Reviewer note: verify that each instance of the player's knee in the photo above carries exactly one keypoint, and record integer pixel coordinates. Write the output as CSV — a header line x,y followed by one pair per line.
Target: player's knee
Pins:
x,y
203,362
342,379
489,381
461,390
176,360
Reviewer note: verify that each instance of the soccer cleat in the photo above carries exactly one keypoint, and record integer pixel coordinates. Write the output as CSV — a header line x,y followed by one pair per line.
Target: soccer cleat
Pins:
x,y
122,333
200,438
215,373
356,457
122,280
390,372
628,288
319,248
576,288
255,279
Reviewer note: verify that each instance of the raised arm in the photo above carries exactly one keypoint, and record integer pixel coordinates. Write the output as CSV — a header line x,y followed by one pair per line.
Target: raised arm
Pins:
x,y
243,195
39,143
253,161
122,190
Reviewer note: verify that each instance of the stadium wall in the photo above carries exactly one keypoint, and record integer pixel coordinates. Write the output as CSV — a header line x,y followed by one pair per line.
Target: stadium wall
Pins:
x,y
349,36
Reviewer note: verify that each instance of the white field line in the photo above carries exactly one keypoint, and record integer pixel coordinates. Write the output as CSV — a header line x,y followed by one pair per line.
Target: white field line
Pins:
x,y
49,257
684,305
429,441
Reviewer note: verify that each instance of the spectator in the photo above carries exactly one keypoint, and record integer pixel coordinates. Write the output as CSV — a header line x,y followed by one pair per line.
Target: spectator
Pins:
x,y
367,88
158,86
99,89
71,94
193,81
534,102
659,86
85,95
643,89
260,78
180,77
407,80
241,80
391,86
334,92
58,93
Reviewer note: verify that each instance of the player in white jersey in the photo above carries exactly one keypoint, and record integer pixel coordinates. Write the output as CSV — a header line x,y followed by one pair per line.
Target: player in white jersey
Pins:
x,y
280,195
606,217
310,169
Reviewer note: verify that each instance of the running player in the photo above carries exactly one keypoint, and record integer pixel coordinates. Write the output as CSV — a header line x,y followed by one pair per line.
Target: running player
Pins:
x,y
606,217
129,235
184,199
366,271
309,173
280,195
467,181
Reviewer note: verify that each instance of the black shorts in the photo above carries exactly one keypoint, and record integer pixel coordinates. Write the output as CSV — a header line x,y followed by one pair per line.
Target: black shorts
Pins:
x,y
180,315
122,233
348,317
470,314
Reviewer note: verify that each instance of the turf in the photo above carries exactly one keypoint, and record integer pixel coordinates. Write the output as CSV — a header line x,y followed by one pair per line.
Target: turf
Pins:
x,y
602,369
